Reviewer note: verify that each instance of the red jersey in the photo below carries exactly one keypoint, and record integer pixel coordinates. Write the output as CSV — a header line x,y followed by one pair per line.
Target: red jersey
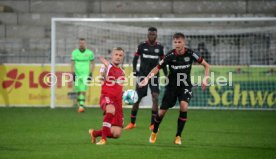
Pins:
x,y
113,81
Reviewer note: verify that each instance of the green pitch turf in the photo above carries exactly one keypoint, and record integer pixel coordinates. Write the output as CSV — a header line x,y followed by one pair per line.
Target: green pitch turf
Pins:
x,y
42,133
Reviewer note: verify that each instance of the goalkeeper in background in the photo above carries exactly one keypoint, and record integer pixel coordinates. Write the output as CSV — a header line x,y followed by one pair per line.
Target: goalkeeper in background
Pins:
x,y
82,66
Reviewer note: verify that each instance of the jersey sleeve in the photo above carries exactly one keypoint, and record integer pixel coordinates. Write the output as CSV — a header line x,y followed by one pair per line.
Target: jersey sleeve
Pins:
x,y
161,53
92,57
138,51
196,57
102,69
165,60
73,58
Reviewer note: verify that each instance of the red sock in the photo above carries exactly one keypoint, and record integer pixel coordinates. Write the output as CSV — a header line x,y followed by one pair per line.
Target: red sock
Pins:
x,y
110,135
97,133
107,125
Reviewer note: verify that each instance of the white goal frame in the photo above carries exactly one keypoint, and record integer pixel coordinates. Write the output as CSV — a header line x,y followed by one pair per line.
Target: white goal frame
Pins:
x,y
154,19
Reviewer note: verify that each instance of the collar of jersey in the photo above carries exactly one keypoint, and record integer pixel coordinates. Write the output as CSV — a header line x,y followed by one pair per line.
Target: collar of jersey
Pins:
x,y
176,54
154,44
82,51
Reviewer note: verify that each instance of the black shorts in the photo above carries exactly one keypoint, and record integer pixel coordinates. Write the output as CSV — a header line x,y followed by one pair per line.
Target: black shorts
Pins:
x,y
153,84
173,93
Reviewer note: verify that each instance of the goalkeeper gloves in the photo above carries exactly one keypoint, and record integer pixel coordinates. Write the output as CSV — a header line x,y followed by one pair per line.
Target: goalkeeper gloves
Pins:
x,y
89,79
74,76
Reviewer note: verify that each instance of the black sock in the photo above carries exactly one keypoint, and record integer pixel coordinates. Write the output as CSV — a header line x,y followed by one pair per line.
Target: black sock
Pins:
x,y
181,122
157,122
81,100
133,116
153,116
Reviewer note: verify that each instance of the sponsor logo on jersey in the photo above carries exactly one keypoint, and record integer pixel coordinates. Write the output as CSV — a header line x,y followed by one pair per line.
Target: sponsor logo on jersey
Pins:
x,y
187,59
180,67
150,56
156,50
195,56
146,49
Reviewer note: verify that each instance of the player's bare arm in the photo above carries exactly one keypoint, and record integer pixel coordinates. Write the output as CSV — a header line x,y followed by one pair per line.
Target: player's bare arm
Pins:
x,y
72,66
92,65
102,73
152,73
104,61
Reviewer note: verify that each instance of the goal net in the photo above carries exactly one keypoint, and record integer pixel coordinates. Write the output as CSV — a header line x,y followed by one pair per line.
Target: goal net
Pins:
x,y
241,52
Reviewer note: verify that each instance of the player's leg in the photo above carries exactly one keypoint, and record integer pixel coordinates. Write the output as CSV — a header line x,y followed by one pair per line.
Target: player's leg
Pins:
x,y
157,122
94,134
104,102
107,123
154,87
81,87
158,119
154,110
142,92
77,89
181,121
81,101
133,114
184,97
116,131
168,101
118,120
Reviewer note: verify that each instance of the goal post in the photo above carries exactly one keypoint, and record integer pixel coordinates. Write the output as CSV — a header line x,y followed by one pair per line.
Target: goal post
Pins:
x,y
233,44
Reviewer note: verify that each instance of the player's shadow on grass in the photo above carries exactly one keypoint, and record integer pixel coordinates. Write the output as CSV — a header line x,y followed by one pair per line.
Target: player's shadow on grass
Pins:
x,y
217,146
149,145
3,148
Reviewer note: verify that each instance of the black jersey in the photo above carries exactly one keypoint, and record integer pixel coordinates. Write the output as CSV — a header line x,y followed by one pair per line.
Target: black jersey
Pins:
x,y
150,56
180,66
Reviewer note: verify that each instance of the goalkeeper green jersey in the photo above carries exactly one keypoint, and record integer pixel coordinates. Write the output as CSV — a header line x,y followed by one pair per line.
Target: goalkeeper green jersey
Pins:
x,y
82,61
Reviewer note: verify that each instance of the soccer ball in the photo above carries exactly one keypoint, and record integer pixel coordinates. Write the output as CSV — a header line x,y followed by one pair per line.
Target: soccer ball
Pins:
x,y
130,97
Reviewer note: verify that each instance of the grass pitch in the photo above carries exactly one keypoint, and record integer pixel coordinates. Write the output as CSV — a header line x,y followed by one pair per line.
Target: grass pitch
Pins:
x,y
43,133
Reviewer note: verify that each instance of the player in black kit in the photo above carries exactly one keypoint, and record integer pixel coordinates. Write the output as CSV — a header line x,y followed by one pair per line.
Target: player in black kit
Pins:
x,y
180,61
150,53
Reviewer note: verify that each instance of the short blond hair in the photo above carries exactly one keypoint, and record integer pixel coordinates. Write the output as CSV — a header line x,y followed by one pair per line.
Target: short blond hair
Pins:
x,y
118,49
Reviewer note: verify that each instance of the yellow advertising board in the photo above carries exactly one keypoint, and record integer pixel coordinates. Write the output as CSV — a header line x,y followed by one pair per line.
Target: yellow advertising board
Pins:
x,y
26,85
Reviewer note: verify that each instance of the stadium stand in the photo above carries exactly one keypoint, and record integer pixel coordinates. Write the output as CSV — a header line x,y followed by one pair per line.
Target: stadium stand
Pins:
x,y
25,24
4,8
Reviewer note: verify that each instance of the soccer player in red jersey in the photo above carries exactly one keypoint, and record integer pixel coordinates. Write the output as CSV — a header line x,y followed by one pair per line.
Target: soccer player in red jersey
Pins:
x,y
111,99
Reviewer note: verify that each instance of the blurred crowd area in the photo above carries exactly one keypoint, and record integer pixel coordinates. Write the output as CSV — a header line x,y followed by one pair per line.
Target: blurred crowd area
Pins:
x,y
25,29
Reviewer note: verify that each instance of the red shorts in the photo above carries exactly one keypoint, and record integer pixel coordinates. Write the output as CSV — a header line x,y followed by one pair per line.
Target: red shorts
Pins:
x,y
118,119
